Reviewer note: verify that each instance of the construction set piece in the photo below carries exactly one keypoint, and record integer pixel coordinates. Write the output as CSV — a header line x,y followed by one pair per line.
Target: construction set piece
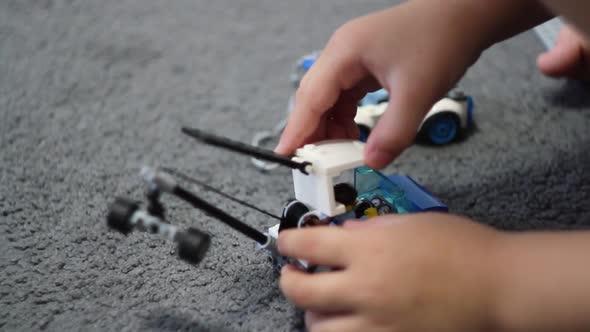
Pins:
x,y
446,120
318,199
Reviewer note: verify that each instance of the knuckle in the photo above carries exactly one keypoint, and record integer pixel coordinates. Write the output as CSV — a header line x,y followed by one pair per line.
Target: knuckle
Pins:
x,y
285,284
304,92
287,241
306,97
345,38
404,141
394,140
300,294
371,294
311,245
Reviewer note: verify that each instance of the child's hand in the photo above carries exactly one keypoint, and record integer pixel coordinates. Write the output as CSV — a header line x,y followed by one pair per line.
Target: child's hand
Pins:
x,y
417,51
419,272
569,58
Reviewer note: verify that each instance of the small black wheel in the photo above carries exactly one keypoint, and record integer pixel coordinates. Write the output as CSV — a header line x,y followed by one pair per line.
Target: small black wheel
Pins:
x,y
384,209
192,245
345,194
308,220
292,212
120,213
377,201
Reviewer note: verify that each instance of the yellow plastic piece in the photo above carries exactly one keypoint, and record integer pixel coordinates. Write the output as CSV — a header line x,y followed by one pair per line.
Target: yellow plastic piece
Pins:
x,y
371,212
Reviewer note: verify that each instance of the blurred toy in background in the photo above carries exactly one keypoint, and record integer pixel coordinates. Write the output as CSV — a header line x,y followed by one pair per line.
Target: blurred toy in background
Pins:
x,y
321,198
447,120
301,67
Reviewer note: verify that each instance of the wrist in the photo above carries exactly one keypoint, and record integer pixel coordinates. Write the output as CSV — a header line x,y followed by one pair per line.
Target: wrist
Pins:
x,y
494,283
502,281
486,23
540,282
495,21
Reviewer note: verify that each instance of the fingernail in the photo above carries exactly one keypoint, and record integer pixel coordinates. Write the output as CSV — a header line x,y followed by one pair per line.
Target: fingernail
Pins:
x,y
288,268
280,148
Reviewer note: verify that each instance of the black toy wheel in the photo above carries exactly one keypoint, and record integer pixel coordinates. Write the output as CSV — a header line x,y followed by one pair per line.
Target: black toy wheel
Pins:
x,y
193,245
310,219
384,209
345,194
364,132
359,210
291,215
377,201
120,213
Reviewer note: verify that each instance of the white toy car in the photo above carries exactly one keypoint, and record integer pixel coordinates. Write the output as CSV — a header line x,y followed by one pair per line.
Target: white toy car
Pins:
x,y
445,121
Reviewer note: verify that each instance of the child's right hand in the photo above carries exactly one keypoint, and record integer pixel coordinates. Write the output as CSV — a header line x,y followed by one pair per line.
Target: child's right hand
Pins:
x,y
417,51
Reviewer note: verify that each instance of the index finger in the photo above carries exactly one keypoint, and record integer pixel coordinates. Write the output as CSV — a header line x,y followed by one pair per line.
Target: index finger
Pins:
x,y
335,71
320,245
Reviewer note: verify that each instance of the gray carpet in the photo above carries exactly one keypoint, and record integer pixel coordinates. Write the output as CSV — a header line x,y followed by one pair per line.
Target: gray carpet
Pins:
x,y
92,90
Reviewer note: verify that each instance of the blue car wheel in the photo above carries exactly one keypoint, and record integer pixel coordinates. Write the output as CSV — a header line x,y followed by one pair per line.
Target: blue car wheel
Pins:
x,y
442,128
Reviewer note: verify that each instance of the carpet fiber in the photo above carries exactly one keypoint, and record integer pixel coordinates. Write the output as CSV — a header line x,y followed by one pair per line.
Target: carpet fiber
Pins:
x,y
92,90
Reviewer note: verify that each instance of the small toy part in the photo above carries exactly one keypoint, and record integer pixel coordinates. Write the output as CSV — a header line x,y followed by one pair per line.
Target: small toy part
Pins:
x,y
240,147
125,216
446,120
263,137
302,66
193,245
166,183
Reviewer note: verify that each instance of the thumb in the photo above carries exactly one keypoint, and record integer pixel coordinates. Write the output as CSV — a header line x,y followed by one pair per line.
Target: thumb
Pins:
x,y
563,57
396,129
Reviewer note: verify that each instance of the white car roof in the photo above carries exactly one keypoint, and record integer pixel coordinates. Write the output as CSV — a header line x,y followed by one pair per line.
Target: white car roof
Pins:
x,y
333,156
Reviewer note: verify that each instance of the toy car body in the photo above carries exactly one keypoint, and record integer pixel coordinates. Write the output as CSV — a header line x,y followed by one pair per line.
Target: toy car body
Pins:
x,y
445,121
317,197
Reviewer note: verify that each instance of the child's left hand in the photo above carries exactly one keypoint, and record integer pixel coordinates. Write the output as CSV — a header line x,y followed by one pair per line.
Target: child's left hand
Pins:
x,y
569,58
416,272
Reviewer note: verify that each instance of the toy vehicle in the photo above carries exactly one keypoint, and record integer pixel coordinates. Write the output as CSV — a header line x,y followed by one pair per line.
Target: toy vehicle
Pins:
x,y
445,121
318,199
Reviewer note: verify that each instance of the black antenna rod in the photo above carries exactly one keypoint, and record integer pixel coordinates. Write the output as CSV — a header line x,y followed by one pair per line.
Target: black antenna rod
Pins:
x,y
219,214
217,191
246,149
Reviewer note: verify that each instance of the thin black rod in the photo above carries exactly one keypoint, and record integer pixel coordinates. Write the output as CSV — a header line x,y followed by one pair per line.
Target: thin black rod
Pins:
x,y
217,213
217,191
243,148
